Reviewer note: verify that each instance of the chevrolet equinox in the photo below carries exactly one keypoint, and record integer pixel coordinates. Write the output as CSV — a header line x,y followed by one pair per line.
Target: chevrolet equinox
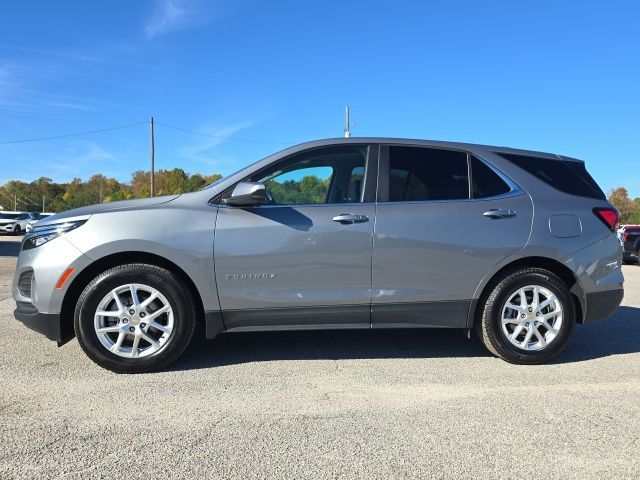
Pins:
x,y
368,233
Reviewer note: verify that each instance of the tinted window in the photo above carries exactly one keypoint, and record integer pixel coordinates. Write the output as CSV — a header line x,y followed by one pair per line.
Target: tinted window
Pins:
x,y
331,175
565,175
486,183
417,174
9,216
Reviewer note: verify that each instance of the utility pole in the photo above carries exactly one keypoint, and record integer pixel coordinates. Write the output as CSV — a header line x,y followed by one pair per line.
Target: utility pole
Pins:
x,y
347,132
15,200
152,160
42,203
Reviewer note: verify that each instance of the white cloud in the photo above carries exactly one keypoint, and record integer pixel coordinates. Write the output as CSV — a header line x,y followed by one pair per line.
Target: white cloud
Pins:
x,y
170,15
204,150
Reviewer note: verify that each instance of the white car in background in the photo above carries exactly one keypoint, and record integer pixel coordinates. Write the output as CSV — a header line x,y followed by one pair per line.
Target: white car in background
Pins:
x,y
6,218
38,216
15,222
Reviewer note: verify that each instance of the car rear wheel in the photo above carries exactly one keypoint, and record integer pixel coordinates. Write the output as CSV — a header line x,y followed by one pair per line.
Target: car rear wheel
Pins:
x,y
135,318
527,317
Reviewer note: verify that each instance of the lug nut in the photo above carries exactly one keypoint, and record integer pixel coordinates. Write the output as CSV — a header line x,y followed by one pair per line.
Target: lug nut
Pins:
x,y
537,314
142,314
142,325
535,323
530,309
125,320
132,311
527,324
132,329
523,315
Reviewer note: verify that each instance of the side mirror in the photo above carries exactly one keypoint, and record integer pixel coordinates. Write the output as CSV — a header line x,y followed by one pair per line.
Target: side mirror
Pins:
x,y
246,194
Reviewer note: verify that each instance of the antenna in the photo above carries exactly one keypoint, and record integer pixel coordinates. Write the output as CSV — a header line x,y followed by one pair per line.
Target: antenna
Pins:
x,y
347,132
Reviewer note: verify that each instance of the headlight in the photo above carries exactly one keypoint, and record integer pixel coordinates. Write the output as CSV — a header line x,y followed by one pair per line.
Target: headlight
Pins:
x,y
42,234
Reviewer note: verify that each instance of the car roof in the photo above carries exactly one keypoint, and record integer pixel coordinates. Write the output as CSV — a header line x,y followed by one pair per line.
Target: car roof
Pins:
x,y
431,143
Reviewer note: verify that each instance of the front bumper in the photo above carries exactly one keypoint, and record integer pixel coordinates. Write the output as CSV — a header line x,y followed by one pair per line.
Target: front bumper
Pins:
x,y
48,324
601,305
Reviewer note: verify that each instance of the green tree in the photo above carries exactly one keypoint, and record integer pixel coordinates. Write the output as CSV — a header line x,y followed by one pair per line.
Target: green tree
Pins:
x,y
619,198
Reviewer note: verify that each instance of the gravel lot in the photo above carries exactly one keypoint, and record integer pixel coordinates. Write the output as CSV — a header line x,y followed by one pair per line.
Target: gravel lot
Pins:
x,y
393,404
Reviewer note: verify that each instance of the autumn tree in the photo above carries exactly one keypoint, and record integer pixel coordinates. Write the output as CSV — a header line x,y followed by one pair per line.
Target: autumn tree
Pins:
x,y
619,198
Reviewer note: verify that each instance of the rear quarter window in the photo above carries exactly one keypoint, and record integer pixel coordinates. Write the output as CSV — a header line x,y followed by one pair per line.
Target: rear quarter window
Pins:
x,y
568,176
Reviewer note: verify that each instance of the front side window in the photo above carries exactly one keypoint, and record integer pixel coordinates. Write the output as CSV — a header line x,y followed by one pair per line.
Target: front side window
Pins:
x,y
330,175
421,174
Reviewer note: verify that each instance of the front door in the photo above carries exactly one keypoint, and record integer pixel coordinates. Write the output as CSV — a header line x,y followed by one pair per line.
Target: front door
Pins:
x,y
444,220
304,258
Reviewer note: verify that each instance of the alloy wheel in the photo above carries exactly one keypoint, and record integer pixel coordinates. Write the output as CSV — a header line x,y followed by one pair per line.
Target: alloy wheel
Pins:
x,y
531,317
134,321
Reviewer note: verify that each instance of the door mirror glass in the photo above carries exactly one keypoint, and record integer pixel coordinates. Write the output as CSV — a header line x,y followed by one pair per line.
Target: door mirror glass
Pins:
x,y
246,194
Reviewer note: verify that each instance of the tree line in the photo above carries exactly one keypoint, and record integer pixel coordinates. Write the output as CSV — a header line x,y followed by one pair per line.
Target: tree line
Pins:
x,y
629,208
57,197
100,189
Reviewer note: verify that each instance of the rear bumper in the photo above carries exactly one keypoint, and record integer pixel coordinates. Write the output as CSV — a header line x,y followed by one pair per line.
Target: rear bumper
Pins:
x,y
47,324
601,305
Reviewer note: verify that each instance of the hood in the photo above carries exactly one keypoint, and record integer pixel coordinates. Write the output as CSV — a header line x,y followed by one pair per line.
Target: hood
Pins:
x,y
107,207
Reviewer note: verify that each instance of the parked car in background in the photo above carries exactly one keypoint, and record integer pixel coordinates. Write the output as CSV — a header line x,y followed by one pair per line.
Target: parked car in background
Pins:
x,y
356,233
38,217
7,218
16,223
631,243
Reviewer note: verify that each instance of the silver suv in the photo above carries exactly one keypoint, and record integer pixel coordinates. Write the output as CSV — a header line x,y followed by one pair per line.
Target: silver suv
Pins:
x,y
353,233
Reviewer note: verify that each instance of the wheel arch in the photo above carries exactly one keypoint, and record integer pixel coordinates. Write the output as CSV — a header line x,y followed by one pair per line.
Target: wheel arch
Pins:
x,y
121,258
554,266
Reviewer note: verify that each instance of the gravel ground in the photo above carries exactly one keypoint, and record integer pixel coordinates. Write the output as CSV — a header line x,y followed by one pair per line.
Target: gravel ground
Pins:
x,y
385,404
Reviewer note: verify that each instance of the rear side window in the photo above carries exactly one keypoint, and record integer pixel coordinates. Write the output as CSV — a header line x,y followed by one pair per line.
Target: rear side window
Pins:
x,y
486,182
564,175
419,174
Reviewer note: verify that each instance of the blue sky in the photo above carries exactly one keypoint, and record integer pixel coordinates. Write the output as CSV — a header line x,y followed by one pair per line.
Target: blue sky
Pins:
x,y
554,76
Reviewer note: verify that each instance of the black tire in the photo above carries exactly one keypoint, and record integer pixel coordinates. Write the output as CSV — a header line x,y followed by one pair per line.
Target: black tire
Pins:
x,y
172,287
17,230
489,325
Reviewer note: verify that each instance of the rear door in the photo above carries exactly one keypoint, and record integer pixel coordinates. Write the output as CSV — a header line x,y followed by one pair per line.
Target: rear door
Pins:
x,y
438,233
304,258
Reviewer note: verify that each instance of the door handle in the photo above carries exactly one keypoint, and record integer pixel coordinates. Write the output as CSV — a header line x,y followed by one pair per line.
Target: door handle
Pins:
x,y
349,218
499,213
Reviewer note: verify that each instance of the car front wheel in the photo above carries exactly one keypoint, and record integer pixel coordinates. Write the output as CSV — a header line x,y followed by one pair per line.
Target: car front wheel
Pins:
x,y
527,317
135,318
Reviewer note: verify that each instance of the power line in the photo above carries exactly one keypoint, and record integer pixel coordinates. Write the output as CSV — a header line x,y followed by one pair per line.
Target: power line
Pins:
x,y
120,127
220,137
6,196
88,132
27,201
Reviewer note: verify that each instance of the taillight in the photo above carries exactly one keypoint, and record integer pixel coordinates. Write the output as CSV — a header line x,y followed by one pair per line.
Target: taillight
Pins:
x,y
609,216
625,236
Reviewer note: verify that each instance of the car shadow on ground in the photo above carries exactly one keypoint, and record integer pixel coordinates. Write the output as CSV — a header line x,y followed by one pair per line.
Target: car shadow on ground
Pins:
x,y
618,335
10,247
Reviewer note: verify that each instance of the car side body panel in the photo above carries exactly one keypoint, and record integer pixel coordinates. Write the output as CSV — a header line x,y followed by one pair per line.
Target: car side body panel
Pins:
x,y
313,287
439,252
